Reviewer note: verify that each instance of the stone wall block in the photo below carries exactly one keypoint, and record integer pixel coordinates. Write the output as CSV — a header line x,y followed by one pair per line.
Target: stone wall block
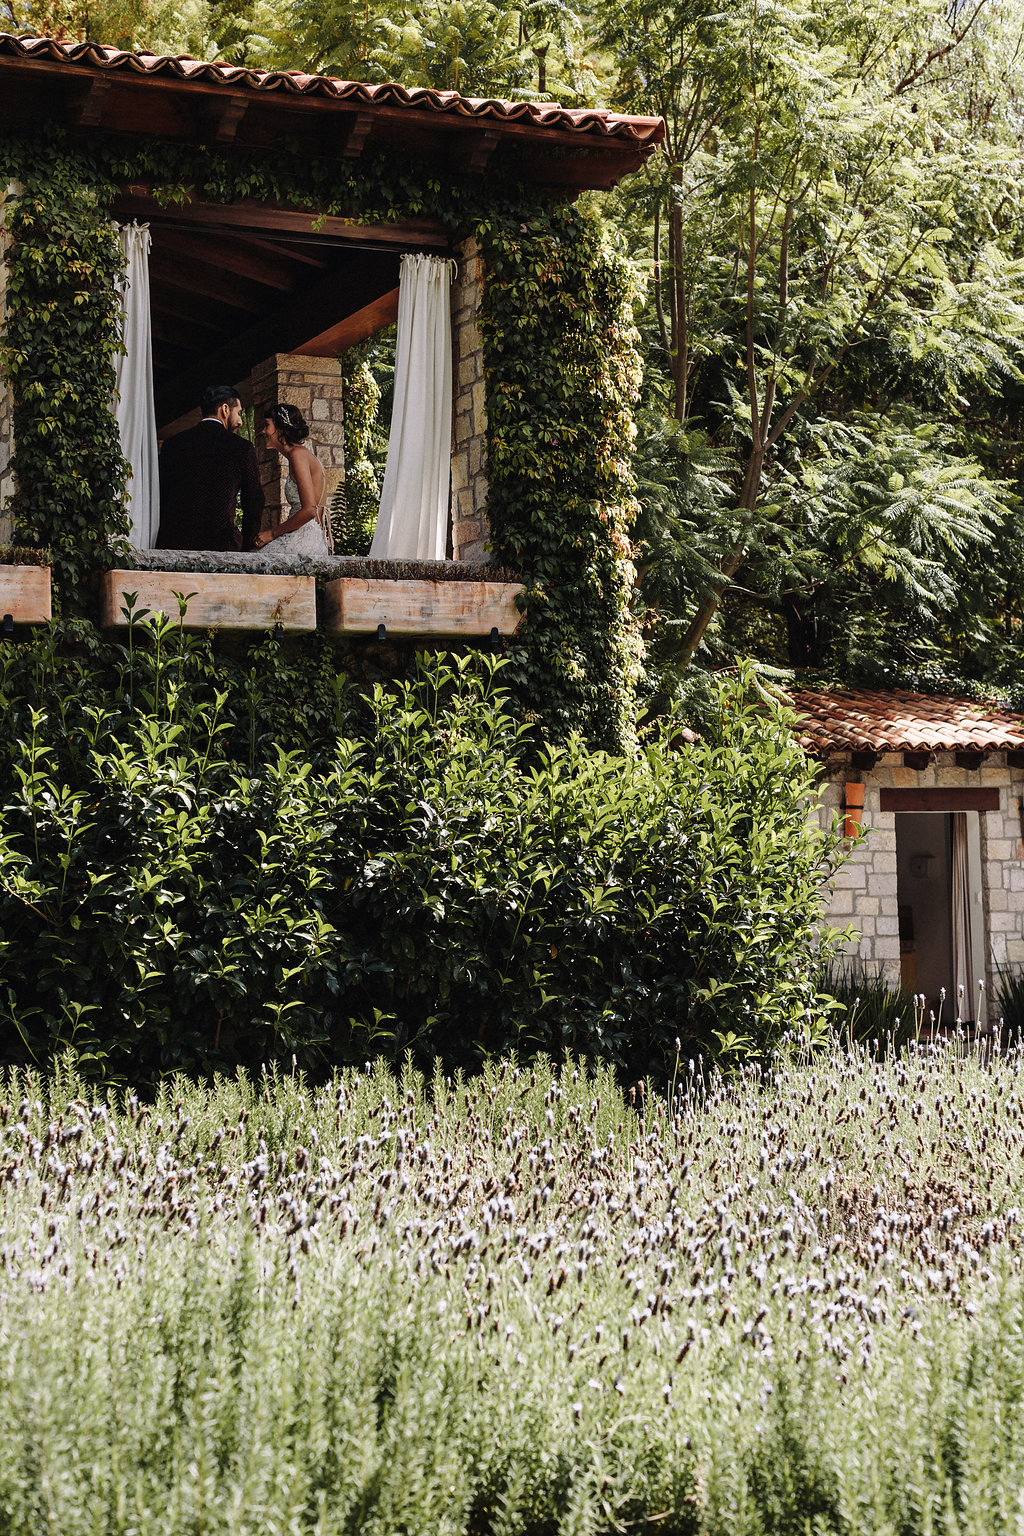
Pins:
x,y
470,525
314,385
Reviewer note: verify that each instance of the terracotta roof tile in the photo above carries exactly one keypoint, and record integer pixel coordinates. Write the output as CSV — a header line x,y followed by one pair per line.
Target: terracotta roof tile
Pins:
x,y
640,130
896,721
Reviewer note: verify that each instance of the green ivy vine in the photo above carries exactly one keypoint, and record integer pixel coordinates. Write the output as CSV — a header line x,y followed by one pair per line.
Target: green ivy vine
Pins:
x,y
563,370
561,365
57,351
359,494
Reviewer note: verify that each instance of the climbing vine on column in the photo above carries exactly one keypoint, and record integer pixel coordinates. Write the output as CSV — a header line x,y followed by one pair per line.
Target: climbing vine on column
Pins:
x,y
359,495
60,337
563,372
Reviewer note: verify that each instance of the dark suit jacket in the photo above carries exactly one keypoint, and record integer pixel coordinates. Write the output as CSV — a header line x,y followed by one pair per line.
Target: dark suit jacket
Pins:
x,y
201,473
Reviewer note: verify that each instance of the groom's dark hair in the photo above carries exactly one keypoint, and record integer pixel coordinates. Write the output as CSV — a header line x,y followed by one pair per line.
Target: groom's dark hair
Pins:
x,y
216,395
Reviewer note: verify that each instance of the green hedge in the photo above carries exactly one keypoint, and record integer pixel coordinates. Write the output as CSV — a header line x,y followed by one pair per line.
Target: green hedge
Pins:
x,y
176,891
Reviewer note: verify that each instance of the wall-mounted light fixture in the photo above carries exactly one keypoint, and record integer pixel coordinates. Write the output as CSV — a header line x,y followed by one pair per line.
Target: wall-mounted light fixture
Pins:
x,y
853,810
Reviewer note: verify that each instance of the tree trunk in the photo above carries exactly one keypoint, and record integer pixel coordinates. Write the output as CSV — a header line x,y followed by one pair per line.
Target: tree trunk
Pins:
x,y
728,567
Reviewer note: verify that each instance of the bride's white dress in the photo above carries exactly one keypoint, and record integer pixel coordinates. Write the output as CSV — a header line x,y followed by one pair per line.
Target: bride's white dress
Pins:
x,y
310,542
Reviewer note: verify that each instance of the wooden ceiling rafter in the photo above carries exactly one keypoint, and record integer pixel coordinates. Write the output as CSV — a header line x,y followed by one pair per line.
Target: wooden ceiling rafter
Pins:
x,y
473,158
192,277
228,256
354,134
285,328
178,304
359,326
292,250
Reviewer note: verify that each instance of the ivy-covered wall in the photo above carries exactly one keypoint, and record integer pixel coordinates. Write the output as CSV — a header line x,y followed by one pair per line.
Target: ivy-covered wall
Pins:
x,y
561,365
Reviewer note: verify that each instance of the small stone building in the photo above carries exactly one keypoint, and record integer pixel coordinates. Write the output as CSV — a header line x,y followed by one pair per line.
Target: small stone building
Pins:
x,y
934,889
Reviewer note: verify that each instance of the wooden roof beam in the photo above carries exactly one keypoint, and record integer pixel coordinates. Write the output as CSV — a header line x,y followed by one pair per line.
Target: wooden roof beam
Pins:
x,y
281,330
413,234
357,327
226,256
193,277
220,116
292,251
85,108
471,157
355,134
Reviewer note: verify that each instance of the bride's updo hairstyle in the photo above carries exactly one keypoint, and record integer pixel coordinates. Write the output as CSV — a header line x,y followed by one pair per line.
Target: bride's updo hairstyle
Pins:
x,y
290,422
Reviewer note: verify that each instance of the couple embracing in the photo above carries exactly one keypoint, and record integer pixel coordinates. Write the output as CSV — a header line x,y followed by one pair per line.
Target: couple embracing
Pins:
x,y
204,471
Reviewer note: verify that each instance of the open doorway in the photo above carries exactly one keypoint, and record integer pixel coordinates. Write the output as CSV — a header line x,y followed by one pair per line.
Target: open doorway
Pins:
x,y
941,928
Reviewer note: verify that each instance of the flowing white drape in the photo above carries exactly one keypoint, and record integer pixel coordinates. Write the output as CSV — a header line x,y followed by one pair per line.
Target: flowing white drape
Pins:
x,y
135,410
413,520
963,967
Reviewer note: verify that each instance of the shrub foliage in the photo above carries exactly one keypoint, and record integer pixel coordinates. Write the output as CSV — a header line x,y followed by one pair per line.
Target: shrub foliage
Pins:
x,y
434,880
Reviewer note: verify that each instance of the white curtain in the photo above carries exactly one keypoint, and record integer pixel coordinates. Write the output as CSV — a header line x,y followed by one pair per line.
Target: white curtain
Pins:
x,y
413,520
963,967
135,409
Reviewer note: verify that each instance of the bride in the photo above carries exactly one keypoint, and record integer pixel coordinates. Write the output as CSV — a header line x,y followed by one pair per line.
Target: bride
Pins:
x,y
306,532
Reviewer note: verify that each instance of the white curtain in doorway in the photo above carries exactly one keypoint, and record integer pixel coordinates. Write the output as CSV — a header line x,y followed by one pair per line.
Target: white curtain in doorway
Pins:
x,y
135,409
413,520
963,965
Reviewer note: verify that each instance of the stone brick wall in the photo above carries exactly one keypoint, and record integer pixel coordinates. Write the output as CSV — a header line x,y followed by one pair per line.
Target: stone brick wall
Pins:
x,y
471,529
6,407
864,896
314,385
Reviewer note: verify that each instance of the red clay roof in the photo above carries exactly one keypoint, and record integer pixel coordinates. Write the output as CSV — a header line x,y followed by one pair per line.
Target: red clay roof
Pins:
x,y
896,721
640,130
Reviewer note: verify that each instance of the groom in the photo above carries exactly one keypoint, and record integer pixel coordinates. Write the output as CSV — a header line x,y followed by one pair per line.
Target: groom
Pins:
x,y
202,473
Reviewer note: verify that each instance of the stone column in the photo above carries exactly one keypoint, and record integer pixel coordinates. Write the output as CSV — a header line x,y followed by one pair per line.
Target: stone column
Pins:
x,y
313,384
471,529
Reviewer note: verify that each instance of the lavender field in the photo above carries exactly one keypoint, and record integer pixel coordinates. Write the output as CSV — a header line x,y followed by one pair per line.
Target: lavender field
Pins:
x,y
789,1303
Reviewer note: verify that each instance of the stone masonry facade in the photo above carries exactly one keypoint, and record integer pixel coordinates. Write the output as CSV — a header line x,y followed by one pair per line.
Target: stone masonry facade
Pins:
x,y
864,895
471,530
313,384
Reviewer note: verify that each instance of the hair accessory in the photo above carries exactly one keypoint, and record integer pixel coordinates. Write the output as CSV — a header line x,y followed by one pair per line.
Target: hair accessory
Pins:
x,y
285,413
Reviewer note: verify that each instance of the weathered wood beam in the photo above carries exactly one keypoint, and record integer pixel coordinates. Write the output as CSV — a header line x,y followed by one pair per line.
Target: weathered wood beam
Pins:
x,y
290,250
357,327
979,799
471,157
354,135
216,600
355,605
414,234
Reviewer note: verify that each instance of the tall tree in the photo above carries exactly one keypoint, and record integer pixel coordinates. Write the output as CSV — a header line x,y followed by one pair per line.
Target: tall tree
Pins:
x,y
837,275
